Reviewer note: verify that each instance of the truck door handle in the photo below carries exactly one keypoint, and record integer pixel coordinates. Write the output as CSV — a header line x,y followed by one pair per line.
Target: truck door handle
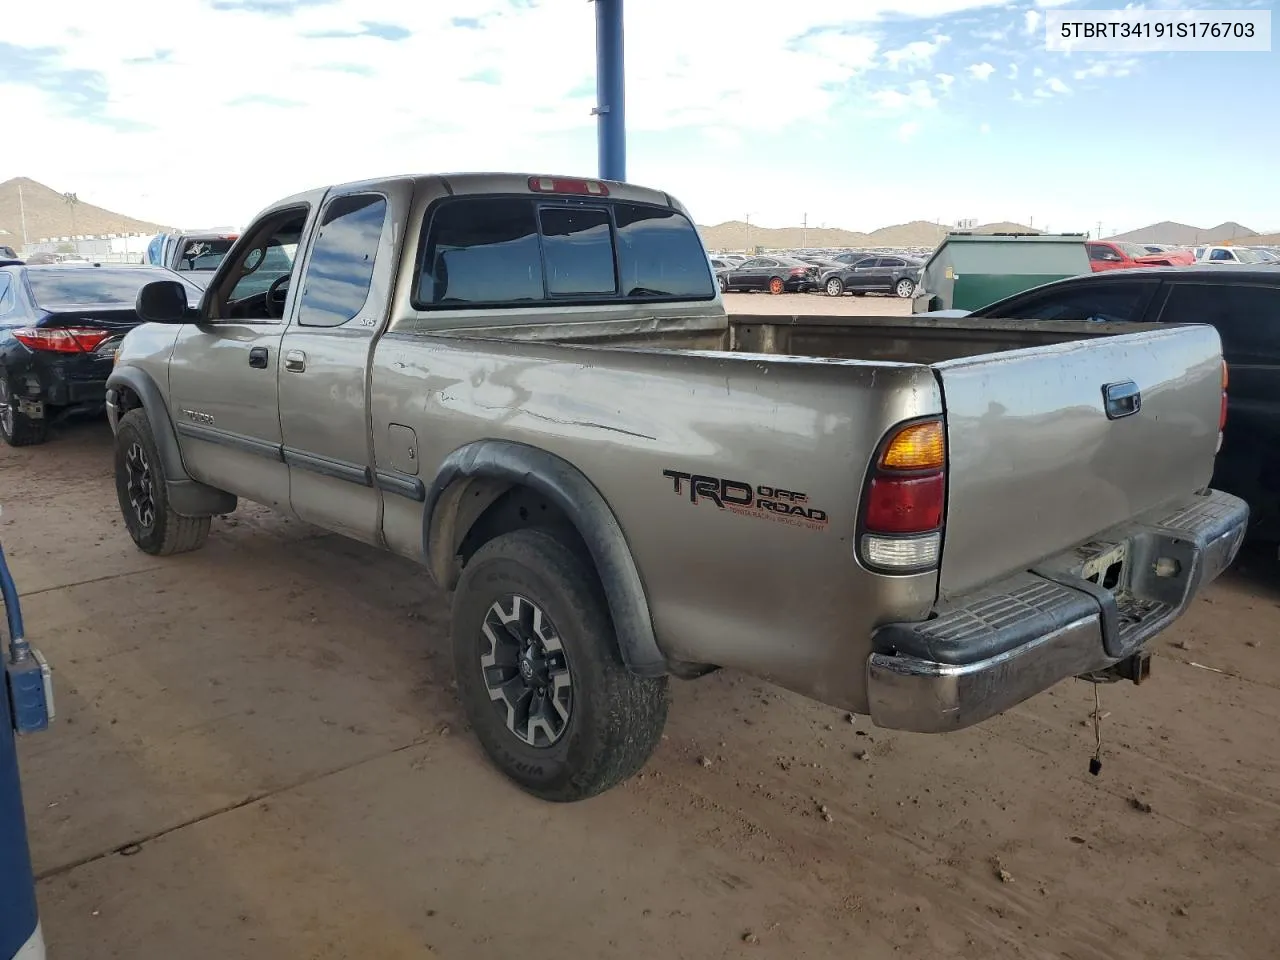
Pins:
x,y
295,361
258,357
1121,399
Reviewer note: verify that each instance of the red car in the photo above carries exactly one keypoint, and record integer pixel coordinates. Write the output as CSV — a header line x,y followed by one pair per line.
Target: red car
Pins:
x,y
1118,255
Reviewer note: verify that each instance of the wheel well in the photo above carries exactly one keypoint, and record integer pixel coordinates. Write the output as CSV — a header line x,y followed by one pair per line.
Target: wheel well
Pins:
x,y
519,508
126,400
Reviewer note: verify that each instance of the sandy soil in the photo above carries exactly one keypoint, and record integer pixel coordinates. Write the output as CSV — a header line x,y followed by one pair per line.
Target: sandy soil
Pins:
x,y
259,755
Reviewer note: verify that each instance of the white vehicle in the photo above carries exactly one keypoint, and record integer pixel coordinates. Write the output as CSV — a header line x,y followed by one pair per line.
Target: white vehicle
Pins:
x,y
1228,255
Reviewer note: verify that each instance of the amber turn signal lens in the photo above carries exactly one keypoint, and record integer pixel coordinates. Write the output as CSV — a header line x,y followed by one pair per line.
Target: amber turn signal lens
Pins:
x,y
1226,377
918,446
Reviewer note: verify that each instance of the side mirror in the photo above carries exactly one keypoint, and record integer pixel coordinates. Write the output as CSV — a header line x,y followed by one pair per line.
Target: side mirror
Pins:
x,y
163,301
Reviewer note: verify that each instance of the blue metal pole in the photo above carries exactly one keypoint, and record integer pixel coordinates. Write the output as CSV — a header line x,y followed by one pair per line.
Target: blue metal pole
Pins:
x,y
611,90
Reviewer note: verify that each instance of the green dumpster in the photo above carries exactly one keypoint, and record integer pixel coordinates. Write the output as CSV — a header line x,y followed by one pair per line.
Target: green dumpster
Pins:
x,y
970,270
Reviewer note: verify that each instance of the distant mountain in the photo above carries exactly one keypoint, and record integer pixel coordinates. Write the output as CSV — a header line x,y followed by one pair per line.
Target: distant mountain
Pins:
x,y
1167,231
917,233
48,214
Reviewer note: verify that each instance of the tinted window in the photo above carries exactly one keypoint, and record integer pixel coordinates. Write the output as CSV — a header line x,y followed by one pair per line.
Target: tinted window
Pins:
x,y
341,266
659,254
482,250
578,251
1221,254
93,286
1098,252
1247,317
892,262
752,264
865,263
766,263
1083,301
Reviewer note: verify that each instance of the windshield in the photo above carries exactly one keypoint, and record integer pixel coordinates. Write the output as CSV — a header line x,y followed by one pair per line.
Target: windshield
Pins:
x,y
1133,249
95,286
1245,255
204,254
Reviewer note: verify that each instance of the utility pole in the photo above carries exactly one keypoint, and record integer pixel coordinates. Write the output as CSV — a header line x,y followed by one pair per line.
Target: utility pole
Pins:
x,y
72,200
804,241
22,209
747,249
1031,222
1099,233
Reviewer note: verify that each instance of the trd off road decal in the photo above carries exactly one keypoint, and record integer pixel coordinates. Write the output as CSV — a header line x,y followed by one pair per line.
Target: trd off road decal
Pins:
x,y
765,502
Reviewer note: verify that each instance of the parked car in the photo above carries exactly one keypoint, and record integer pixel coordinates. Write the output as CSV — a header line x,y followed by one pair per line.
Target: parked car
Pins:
x,y
1243,302
59,329
9,256
530,387
1218,254
1118,255
775,274
897,275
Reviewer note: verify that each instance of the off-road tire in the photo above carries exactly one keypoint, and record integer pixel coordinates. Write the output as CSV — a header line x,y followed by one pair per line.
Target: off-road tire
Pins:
x,y
17,429
615,718
168,532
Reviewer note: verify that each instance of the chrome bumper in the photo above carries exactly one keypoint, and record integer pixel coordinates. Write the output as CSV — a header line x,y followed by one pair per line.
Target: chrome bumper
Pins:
x,y
986,653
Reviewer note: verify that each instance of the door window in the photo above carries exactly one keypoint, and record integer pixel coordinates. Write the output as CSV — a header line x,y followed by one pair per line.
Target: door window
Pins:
x,y
1247,317
1084,301
267,257
340,270
1102,253
1222,255
893,262
6,295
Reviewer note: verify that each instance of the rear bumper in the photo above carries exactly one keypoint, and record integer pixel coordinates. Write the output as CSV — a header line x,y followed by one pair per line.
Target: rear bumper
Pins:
x,y
986,653
63,380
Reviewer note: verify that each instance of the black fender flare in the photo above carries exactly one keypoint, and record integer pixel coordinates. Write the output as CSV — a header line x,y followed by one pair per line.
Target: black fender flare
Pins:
x,y
189,497
568,488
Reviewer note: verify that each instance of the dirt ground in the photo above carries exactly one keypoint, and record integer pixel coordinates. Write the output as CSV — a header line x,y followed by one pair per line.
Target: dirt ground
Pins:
x,y
259,754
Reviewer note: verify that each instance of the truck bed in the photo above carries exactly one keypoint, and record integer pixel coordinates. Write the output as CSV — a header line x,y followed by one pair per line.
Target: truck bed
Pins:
x,y
874,339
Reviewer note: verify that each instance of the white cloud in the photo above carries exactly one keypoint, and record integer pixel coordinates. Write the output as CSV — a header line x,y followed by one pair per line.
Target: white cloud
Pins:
x,y
915,55
984,128
1106,68
908,130
916,96
1057,86
1037,72
1032,21
980,71
945,80
1013,71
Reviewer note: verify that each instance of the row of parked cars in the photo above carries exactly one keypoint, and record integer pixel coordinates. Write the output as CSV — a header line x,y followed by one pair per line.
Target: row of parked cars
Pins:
x,y
842,273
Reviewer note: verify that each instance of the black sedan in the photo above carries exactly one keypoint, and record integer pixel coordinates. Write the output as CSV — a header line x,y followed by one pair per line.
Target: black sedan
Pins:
x,y
874,274
775,274
59,330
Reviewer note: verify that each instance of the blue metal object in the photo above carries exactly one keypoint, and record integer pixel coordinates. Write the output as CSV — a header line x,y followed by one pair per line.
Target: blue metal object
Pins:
x,y
610,108
25,701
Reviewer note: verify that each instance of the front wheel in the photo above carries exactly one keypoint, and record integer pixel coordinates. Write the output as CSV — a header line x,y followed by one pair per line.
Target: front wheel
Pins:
x,y
904,288
724,284
835,287
540,675
144,499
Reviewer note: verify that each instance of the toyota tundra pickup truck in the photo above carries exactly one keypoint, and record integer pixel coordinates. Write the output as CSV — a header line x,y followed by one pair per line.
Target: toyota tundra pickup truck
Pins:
x,y
529,386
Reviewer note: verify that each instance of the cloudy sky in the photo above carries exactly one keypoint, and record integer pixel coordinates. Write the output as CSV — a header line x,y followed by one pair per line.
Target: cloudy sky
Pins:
x,y
859,113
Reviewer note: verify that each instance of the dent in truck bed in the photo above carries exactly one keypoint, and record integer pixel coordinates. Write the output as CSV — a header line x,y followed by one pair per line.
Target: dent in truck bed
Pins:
x,y
619,482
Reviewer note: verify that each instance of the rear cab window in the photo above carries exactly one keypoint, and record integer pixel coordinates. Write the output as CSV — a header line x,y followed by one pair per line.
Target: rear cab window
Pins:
x,y
507,251
203,254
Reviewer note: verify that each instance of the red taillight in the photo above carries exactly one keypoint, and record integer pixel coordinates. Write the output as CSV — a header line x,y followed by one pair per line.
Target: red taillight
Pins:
x,y
62,339
590,188
799,271
905,504
905,499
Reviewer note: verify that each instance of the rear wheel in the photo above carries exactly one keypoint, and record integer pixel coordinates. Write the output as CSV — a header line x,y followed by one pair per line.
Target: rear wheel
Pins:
x,y
904,288
776,286
18,429
143,497
835,287
724,284
539,671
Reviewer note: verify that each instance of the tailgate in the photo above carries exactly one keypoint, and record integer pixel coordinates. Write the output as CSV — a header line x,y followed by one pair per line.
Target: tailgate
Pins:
x,y
1036,466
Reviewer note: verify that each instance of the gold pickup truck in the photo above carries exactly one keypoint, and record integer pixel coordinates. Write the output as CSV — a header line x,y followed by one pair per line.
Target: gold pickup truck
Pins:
x,y
529,386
